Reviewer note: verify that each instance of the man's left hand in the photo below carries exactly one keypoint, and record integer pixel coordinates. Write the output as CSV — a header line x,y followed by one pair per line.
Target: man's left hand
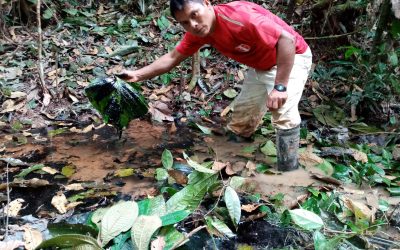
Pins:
x,y
276,99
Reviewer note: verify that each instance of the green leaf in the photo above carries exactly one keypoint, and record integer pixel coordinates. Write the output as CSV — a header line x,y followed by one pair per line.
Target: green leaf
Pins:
x,y
25,172
306,219
161,174
321,243
171,236
191,196
237,182
393,59
167,159
329,115
394,191
197,166
48,13
327,167
230,93
124,172
383,205
232,204
152,206
98,215
269,148
363,128
142,230
203,129
62,228
119,218
72,12
68,170
68,241
222,227
174,217
163,23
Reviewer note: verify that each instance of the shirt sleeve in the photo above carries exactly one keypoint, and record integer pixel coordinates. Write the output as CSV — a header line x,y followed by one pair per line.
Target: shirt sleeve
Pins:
x,y
266,30
190,44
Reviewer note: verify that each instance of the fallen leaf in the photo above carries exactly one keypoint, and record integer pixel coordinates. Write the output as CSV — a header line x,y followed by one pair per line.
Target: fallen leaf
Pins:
x,y
240,75
10,245
14,207
218,166
10,106
309,159
50,170
225,111
250,207
359,156
59,201
229,170
178,176
396,152
32,237
74,187
158,244
17,95
160,112
360,210
73,205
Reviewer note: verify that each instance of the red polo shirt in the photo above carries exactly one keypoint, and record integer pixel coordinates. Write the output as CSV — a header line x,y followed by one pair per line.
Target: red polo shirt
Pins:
x,y
245,32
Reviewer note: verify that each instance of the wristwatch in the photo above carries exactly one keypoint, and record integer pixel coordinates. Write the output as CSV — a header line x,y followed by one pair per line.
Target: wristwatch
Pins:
x,y
280,87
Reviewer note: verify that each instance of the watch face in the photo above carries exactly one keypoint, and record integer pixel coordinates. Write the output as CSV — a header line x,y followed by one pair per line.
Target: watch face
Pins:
x,y
280,87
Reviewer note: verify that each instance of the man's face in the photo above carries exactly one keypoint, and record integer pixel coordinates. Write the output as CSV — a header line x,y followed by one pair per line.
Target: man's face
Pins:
x,y
197,18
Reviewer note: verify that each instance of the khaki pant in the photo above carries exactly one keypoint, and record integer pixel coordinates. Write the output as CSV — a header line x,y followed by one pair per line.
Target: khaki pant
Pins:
x,y
250,105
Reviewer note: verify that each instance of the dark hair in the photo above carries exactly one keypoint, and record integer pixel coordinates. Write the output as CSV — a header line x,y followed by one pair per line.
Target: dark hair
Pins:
x,y
178,5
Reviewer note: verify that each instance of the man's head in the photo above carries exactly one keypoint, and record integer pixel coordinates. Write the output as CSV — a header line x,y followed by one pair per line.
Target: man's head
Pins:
x,y
196,16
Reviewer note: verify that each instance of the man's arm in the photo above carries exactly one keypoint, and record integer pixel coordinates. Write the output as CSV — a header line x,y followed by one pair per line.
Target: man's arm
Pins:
x,y
285,53
160,66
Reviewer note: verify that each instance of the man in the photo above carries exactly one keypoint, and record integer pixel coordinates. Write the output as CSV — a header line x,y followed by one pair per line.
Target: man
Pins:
x,y
278,57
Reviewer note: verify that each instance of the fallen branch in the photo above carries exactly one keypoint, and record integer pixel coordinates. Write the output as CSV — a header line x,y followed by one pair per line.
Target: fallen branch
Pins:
x,y
186,238
45,91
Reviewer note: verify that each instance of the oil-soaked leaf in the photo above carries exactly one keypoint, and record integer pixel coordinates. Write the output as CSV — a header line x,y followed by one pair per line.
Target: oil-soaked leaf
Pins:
x,y
197,166
167,159
32,237
222,228
117,101
68,241
143,229
306,219
119,218
232,204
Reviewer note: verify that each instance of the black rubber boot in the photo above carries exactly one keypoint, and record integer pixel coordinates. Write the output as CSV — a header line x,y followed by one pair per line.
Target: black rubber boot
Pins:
x,y
287,145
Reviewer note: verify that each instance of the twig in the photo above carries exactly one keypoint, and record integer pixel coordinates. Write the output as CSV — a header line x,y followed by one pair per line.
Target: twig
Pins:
x,y
8,201
186,237
330,37
46,95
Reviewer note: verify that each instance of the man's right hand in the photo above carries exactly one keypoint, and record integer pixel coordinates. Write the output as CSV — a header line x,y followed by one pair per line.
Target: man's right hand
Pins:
x,y
127,75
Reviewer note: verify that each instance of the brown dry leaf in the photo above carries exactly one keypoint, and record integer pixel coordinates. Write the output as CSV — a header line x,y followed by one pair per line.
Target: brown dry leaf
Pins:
x,y
218,166
360,210
46,99
160,112
251,165
73,98
172,129
32,237
14,207
109,50
240,75
238,166
158,244
10,245
93,51
17,95
309,159
49,170
34,183
396,152
225,111
163,90
359,156
59,202
178,176
83,84
73,205
229,170
74,187
250,207
82,131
